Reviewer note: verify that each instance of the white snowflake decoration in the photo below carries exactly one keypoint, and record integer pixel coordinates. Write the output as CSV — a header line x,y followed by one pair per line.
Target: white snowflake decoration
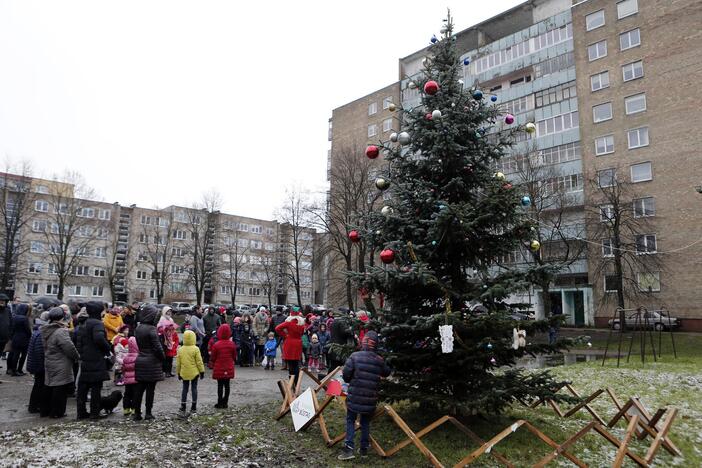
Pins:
x,y
446,333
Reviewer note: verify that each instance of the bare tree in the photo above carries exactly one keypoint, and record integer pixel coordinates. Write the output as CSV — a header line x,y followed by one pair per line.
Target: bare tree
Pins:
x,y
625,252
71,234
353,196
16,209
296,237
159,252
551,207
233,254
200,241
268,275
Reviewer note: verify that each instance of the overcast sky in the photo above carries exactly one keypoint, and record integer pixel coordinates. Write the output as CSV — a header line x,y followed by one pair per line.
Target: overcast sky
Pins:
x,y
155,102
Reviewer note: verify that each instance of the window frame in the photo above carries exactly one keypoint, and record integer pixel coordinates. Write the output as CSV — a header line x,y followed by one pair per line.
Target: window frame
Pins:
x,y
587,25
613,178
597,153
596,44
642,213
605,73
606,209
386,102
650,172
389,125
634,77
607,247
628,35
374,129
628,99
373,108
628,138
41,203
646,238
605,284
655,274
602,105
619,15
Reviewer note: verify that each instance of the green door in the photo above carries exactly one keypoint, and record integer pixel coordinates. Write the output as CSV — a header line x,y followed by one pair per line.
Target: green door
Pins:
x,y
578,308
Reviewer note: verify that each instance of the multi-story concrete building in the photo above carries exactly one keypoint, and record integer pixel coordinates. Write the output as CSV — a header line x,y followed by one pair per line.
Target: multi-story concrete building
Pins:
x,y
605,83
124,253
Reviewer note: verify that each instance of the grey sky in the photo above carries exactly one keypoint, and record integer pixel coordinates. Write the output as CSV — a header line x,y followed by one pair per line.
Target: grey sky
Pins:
x,y
155,102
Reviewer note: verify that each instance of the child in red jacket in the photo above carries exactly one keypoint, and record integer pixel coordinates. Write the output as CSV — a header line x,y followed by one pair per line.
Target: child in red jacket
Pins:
x,y
222,359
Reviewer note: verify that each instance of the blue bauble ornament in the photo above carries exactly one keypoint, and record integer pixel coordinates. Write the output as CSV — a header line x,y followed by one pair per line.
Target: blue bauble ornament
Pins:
x,y
433,242
489,346
493,98
526,201
477,95
434,40
466,61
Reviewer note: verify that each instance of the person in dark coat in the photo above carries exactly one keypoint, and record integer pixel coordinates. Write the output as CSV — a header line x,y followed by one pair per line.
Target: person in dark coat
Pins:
x,y
93,347
149,363
341,333
211,321
39,399
60,355
5,318
363,371
129,319
20,332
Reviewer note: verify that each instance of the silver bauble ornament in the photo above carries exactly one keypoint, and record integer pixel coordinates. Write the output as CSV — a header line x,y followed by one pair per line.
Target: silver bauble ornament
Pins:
x,y
530,127
436,114
382,184
404,138
412,85
392,107
387,210
393,137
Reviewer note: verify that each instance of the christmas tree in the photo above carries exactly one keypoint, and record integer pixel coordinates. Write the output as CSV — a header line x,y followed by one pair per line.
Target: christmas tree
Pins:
x,y
448,221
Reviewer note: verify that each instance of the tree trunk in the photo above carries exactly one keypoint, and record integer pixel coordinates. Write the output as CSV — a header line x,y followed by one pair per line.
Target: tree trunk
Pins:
x,y
347,281
545,301
59,296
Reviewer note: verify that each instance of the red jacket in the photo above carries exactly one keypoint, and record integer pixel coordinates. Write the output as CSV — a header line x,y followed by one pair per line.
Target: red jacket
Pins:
x,y
292,346
174,349
223,354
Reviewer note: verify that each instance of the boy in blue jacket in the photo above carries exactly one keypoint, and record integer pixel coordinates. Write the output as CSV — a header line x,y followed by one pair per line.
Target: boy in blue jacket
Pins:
x,y
363,371
270,350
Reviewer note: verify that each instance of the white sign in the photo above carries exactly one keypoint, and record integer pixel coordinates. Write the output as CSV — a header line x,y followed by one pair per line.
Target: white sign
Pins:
x,y
302,409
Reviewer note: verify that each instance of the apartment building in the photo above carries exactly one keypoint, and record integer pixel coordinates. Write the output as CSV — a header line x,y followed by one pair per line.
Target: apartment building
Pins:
x,y
638,70
127,253
605,83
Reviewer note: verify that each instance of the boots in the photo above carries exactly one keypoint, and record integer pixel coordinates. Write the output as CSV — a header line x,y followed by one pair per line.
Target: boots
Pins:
x,y
182,412
193,408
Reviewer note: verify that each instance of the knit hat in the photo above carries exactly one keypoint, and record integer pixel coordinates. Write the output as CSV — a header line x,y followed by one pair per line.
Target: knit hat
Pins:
x,y
44,317
55,314
370,341
237,320
94,309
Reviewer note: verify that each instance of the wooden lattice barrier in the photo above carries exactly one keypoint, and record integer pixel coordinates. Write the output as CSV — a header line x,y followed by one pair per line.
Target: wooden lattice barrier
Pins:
x,y
640,424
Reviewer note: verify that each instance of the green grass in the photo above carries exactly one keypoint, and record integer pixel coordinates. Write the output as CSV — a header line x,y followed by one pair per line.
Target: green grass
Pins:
x,y
674,382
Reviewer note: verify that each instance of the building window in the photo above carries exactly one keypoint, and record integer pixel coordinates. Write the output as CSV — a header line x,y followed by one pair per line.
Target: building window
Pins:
x,y
630,39
254,291
177,252
599,81
627,8
606,177
41,205
644,207
32,288
517,106
554,64
637,137
607,250
52,270
52,289
551,96
80,270
152,294
99,272
243,227
635,104
86,213
597,50
602,112
557,124
372,108
649,281
36,247
38,226
76,291
225,289
611,283
98,291
604,145
606,213
387,125
641,172
386,102
34,268
146,220
41,189
568,184
178,234
594,20
632,71
243,243
372,130
101,252
141,274
646,244
104,215
256,229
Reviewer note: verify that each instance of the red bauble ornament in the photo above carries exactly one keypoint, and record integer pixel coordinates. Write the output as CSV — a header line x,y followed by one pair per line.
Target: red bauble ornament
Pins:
x,y
387,256
354,236
507,186
427,116
372,152
431,87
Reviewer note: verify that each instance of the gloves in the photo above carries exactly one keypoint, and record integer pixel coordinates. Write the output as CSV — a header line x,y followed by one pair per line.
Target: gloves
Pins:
x,y
202,376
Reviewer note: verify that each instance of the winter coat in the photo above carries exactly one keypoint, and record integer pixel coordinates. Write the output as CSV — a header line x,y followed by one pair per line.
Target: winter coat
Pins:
x,y
211,322
292,329
20,328
112,323
189,363
197,326
35,354
260,327
175,342
223,354
277,319
93,347
167,331
363,371
271,347
129,362
149,364
247,335
59,355
5,319
315,350
237,330
341,333
324,340
130,321
120,353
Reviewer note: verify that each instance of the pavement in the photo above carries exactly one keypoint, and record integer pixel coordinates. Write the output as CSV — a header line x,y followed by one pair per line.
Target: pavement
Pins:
x,y
251,385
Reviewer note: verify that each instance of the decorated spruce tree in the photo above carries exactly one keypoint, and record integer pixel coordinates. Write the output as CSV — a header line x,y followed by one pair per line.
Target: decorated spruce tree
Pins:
x,y
449,219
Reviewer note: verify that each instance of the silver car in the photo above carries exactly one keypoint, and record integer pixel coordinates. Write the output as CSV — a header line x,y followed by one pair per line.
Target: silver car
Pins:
x,y
647,319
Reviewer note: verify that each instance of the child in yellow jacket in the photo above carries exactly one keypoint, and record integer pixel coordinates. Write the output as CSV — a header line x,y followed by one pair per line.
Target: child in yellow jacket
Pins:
x,y
189,367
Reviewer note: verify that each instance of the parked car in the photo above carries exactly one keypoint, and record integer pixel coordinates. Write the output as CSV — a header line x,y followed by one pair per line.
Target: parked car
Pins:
x,y
180,308
656,319
318,308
